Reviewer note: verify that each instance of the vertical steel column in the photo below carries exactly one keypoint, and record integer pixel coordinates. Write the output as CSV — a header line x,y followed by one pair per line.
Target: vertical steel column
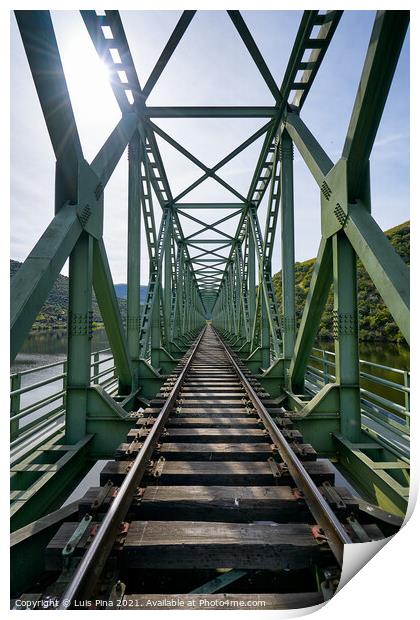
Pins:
x,y
16,384
232,327
195,308
193,316
224,308
191,304
236,295
167,291
133,249
186,314
251,282
79,337
346,335
243,295
190,299
265,335
287,245
176,329
182,283
155,329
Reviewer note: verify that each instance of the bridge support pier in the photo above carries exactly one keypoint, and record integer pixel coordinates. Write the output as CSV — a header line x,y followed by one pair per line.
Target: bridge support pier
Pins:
x,y
287,249
155,330
79,337
167,290
346,335
265,335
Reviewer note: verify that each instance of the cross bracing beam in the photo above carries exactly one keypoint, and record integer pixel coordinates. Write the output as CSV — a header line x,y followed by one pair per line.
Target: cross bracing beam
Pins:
x,y
303,42
209,270
198,221
213,226
197,162
108,305
220,242
32,283
110,154
255,53
209,172
42,52
204,261
265,290
328,23
208,205
314,307
120,59
36,278
114,51
207,251
387,270
167,52
321,165
388,35
348,182
210,112
313,154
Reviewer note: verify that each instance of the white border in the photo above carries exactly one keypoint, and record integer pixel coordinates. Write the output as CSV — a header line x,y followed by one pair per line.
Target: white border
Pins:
x,y
386,586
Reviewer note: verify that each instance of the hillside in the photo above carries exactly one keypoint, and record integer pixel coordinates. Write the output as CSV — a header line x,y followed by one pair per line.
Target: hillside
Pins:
x,y
53,314
375,320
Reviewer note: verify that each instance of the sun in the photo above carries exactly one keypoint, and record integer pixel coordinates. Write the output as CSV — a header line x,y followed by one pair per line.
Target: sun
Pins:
x,y
87,76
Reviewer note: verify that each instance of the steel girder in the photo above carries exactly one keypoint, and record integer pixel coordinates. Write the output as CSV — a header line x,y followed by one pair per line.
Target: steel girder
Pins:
x,y
191,277
144,153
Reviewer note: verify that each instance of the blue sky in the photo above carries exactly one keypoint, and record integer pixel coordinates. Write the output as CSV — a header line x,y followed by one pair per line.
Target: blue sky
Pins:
x,y
210,67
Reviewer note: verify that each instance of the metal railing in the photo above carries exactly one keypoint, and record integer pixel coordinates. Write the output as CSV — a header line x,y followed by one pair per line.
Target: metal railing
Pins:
x,y
384,391
38,395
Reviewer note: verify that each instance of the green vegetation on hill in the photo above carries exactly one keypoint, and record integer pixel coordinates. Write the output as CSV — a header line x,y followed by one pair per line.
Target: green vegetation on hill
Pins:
x,y
53,314
375,320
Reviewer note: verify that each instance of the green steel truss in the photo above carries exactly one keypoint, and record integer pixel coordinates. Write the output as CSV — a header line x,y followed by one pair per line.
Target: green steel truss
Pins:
x,y
224,278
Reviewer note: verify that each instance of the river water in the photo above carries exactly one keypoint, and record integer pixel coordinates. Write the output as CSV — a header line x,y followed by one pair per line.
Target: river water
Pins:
x,y
41,348
46,347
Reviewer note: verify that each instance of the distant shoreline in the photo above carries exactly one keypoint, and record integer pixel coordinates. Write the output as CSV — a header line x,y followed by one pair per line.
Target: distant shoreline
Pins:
x,y
318,341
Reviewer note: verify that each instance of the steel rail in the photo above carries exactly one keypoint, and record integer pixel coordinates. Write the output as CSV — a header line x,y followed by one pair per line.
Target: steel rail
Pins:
x,y
93,562
335,533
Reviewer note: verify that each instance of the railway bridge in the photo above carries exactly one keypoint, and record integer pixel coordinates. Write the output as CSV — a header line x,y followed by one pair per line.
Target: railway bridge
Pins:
x,y
234,460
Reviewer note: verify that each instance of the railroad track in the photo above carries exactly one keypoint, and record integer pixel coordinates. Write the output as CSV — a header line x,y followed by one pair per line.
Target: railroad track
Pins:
x,y
214,501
